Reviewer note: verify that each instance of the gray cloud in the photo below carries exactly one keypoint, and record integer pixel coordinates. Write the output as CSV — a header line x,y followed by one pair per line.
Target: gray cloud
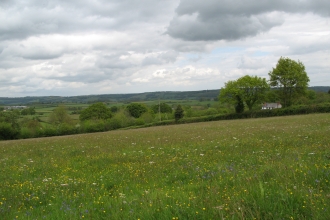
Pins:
x,y
211,20
76,47
27,18
160,58
115,61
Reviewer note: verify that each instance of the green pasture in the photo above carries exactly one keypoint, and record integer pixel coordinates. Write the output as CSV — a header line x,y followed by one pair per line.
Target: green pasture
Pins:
x,y
44,110
269,168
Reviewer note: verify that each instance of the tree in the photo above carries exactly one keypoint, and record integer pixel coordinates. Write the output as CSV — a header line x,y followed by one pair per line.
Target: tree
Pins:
x,y
247,89
60,116
7,131
239,106
9,127
163,108
178,113
290,79
28,111
114,109
95,111
136,109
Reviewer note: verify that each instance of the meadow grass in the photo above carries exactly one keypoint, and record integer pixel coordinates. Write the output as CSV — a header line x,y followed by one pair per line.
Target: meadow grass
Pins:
x,y
269,168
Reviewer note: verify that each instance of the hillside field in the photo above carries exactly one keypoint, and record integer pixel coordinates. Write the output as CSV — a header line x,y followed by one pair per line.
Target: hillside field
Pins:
x,y
269,168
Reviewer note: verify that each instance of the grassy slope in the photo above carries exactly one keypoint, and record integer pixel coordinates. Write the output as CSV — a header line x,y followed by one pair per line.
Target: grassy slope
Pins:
x,y
271,168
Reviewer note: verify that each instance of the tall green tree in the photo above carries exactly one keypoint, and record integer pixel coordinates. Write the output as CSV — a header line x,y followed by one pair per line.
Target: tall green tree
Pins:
x,y
136,109
163,108
178,113
60,116
247,89
95,111
290,80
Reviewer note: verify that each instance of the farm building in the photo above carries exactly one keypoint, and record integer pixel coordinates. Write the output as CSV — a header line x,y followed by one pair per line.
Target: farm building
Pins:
x,y
271,105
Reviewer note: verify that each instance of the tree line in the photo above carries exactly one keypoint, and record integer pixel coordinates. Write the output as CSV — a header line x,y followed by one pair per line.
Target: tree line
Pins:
x,y
96,117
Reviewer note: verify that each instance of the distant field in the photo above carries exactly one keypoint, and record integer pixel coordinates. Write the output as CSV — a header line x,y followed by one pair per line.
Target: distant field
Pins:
x,y
270,168
43,111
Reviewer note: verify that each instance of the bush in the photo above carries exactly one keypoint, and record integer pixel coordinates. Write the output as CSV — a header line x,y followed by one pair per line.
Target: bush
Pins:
x,y
211,111
147,117
113,123
48,131
97,111
66,129
139,121
91,126
25,133
7,132
124,118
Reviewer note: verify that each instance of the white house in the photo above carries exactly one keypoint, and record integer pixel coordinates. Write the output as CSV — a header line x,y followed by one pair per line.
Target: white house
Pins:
x,y
271,105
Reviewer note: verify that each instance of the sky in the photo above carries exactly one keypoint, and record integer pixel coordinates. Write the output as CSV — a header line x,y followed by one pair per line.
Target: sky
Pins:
x,y
83,47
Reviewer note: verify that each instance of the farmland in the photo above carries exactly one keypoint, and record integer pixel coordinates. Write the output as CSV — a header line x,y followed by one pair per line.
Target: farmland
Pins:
x,y
270,168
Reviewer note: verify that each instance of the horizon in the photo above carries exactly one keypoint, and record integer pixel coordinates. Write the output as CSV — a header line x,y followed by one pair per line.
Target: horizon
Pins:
x,y
123,93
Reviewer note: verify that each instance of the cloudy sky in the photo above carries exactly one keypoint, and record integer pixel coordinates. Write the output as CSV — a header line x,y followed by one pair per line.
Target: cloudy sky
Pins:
x,y
81,47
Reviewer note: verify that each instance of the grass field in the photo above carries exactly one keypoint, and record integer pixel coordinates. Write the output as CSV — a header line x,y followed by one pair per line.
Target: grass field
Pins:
x,y
271,168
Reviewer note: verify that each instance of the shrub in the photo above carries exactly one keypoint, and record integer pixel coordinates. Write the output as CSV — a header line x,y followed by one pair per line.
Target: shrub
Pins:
x,y
211,111
139,121
8,132
124,118
25,133
48,131
147,117
93,126
66,129
97,111
112,124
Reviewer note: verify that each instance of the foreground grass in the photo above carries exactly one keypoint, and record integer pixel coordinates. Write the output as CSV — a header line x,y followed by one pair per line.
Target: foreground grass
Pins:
x,y
273,168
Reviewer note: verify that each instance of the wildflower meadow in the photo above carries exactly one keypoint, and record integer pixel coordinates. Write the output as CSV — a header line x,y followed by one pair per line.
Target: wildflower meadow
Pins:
x,y
267,168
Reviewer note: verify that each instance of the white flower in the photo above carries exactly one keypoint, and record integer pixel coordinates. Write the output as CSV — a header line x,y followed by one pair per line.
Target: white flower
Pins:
x,y
121,195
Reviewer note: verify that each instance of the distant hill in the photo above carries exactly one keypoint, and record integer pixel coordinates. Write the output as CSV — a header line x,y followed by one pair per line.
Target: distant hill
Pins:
x,y
320,88
131,97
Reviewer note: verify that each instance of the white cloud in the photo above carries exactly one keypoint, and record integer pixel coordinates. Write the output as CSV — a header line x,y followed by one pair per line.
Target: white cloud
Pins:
x,y
95,46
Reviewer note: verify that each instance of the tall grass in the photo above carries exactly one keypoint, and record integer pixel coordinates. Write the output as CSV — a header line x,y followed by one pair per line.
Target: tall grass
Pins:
x,y
270,168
